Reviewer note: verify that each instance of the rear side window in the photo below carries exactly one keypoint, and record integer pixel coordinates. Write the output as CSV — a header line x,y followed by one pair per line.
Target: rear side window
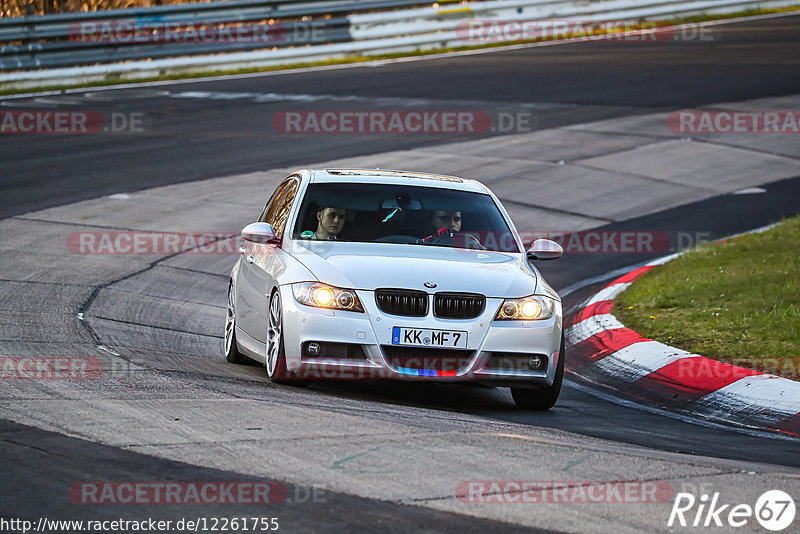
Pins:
x,y
278,221
274,202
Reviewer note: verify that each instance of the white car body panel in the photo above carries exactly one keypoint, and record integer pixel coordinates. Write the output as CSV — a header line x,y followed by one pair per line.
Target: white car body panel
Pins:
x,y
342,265
365,267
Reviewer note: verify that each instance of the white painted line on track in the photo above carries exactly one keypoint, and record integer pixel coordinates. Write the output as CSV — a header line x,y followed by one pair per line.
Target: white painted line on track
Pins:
x,y
749,191
131,95
756,390
640,359
592,326
616,273
608,293
258,98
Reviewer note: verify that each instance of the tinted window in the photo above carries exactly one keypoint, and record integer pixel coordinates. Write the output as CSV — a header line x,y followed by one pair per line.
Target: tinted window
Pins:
x,y
273,202
382,213
282,212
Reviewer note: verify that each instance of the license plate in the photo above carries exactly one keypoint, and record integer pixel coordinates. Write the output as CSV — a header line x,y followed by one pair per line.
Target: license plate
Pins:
x,y
424,337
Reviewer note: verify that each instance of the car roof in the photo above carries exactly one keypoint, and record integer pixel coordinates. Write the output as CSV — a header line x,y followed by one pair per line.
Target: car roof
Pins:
x,y
384,176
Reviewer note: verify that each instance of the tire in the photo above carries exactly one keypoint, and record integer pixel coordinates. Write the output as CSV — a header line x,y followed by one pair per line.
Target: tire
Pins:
x,y
543,398
229,346
275,364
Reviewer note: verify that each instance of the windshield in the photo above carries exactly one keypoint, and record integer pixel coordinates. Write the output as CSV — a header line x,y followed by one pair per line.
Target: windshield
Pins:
x,y
414,215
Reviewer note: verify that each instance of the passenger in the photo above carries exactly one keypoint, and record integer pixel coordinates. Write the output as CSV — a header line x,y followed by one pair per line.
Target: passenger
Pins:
x,y
447,226
444,224
446,219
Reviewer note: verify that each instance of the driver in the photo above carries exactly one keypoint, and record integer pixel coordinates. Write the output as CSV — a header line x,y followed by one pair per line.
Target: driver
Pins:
x,y
330,222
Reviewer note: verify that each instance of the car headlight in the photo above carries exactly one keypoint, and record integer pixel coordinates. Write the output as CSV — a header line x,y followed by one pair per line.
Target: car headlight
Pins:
x,y
324,296
533,308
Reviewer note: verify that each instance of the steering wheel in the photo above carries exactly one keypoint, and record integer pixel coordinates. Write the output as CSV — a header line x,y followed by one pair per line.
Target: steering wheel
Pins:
x,y
445,237
403,239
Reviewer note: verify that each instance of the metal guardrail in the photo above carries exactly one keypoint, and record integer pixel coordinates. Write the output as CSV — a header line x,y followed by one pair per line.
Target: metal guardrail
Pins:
x,y
344,28
67,53
59,40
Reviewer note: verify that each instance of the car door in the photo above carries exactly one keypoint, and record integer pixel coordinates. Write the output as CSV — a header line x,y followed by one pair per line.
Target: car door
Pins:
x,y
263,263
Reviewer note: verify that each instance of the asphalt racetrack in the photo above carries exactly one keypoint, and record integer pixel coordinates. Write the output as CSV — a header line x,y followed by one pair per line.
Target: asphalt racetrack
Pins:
x,y
383,456
197,138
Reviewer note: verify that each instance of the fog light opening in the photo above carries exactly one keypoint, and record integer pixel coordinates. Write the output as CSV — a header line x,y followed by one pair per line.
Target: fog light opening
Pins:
x,y
536,362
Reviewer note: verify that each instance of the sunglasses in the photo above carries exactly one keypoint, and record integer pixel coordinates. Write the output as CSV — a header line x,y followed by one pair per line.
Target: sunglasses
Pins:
x,y
454,218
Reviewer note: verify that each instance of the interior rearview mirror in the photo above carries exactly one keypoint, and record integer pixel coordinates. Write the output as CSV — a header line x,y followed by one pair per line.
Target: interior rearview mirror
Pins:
x,y
408,205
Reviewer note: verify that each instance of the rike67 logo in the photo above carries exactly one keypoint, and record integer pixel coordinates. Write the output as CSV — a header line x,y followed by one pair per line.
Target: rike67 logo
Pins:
x,y
774,510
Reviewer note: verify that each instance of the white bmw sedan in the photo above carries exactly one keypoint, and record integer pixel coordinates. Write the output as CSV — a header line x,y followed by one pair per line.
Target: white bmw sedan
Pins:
x,y
368,274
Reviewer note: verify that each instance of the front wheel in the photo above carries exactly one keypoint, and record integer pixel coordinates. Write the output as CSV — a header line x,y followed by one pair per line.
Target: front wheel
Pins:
x,y
276,349
544,398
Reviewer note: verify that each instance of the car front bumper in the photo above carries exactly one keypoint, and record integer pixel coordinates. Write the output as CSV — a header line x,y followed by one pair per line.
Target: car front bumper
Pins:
x,y
497,352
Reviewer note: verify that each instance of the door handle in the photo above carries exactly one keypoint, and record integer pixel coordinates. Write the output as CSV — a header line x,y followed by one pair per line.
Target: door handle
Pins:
x,y
251,258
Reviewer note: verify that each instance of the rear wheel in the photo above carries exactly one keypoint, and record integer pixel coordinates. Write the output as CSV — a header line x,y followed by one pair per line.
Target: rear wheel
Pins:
x,y
543,398
229,346
276,349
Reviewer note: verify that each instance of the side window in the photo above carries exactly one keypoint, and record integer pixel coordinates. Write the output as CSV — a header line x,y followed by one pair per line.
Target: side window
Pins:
x,y
272,204
284,206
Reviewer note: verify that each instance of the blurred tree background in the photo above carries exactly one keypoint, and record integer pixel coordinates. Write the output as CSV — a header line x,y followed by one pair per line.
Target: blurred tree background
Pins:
x,y
20,8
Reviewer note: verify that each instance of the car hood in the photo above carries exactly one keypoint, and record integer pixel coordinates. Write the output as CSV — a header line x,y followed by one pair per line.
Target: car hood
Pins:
x,y
369,266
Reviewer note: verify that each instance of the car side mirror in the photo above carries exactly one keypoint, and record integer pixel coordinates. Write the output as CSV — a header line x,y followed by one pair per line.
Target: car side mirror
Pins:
x,y
544,249
260,232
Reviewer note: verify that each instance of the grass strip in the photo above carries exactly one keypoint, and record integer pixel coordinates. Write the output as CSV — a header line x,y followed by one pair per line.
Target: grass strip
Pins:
x,y
736,301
